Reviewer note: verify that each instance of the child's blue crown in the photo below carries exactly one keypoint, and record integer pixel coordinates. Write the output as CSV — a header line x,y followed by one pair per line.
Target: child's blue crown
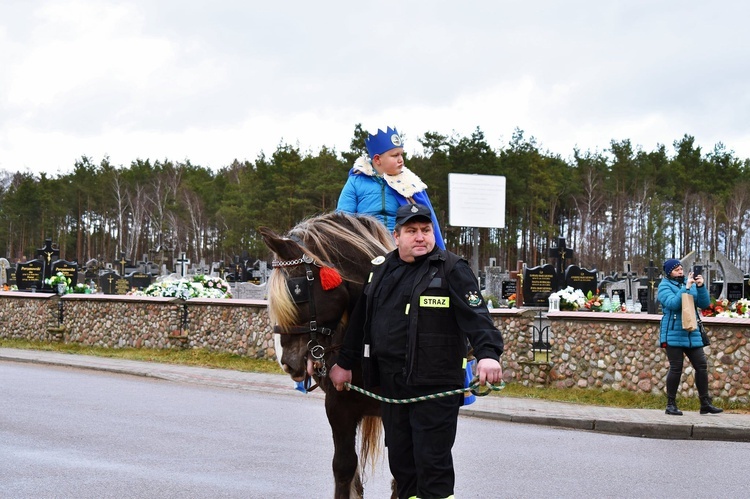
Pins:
x,y
383,141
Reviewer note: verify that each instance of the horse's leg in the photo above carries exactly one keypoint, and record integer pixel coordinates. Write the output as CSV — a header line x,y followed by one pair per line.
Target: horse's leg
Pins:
x,y
344,416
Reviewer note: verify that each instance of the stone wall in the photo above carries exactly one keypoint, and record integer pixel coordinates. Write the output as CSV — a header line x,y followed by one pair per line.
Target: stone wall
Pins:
x,y
587,349
622,352
230,326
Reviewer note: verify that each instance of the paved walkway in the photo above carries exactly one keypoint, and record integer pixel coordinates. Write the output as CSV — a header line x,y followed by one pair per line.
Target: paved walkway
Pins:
x,y
634,422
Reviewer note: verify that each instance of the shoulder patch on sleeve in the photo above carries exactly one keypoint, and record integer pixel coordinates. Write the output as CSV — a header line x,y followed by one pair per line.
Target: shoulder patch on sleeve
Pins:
x,y
378,260
473,299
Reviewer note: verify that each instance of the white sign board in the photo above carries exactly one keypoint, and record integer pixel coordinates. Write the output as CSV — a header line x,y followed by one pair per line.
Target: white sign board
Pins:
x,y
476,200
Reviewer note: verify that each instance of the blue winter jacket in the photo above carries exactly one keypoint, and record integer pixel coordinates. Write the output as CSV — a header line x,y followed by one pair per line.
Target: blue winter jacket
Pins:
x,y
373,196
670,296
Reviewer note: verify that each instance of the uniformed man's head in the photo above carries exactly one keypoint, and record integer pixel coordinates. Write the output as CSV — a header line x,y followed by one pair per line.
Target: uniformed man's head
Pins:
x,y
414,234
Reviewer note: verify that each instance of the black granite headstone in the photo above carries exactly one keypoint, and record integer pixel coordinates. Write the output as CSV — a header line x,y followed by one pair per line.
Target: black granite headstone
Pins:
x,y
538,284
107,282
139,280
30,275
508,288
583,279
68,269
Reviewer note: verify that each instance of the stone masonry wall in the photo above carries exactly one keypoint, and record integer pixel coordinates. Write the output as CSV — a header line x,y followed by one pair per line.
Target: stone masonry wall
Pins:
x,y
587,349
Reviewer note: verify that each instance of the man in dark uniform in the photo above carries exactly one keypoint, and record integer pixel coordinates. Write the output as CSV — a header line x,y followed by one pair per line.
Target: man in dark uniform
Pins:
x,y
410,328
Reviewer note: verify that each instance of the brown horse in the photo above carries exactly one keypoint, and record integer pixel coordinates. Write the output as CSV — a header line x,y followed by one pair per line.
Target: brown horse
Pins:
x,y
319,272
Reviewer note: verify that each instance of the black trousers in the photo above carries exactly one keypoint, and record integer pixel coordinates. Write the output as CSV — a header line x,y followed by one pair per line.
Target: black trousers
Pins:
x,y
697,357
420,437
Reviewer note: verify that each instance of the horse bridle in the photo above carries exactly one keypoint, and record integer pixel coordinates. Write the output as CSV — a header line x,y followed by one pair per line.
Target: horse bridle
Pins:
x,y
299,295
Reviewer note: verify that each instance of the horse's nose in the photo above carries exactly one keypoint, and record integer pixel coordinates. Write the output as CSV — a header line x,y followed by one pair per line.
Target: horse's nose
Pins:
x,y
296,375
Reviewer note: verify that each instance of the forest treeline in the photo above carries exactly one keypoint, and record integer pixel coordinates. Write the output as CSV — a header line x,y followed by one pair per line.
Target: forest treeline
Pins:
x,y
622,203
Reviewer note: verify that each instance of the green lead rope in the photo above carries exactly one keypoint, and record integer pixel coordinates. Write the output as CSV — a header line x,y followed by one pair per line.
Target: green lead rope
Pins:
x,y
474,387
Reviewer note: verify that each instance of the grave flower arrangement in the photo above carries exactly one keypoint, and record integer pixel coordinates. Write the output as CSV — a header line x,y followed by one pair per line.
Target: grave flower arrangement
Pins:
x,y
593,302
82,289
199,286
58,278
512,301
570,299
724,308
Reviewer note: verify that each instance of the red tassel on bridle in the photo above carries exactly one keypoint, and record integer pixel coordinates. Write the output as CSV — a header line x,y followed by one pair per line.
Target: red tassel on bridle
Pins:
x,y
329,278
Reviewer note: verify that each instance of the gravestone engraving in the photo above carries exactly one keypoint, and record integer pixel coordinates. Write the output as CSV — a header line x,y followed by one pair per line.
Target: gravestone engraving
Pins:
x,y
249,291
508,289
583,279
29,275
122,286
68,269
538,284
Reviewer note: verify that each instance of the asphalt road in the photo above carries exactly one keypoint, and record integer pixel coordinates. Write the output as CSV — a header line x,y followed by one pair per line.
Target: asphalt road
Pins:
x,y
68,433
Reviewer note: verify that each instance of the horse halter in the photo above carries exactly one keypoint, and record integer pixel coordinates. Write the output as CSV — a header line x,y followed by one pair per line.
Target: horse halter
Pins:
x,y
301,293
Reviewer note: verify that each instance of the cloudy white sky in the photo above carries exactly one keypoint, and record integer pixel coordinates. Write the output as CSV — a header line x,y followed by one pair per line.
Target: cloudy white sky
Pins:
x,y
214,81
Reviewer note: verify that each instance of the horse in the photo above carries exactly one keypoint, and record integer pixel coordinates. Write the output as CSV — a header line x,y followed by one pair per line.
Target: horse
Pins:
x,y
318,274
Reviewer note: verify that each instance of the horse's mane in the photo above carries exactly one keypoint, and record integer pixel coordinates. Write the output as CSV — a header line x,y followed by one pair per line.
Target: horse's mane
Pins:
x,y
340,239
343,241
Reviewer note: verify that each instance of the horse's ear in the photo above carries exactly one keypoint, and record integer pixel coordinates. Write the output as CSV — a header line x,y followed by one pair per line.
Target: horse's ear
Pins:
x,y
286,249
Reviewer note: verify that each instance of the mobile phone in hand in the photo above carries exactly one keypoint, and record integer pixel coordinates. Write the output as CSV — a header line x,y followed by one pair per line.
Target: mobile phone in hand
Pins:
x,y
697,270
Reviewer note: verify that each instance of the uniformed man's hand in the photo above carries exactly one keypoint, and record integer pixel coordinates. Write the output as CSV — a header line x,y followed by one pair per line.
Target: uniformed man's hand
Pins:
x,y
489,371
339,376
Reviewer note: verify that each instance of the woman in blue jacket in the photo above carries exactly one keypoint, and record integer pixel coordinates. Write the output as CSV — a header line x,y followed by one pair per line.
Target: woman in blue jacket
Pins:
x,y
679,342
379,183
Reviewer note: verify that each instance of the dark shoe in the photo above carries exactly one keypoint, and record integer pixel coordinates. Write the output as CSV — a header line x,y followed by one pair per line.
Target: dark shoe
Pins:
x,y
708,408
672,409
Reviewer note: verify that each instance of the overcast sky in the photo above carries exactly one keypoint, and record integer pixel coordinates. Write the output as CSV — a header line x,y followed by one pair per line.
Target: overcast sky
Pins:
x,y
214,81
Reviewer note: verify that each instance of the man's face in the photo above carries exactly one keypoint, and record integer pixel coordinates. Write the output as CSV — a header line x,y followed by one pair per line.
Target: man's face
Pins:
x,y
390,162
414,239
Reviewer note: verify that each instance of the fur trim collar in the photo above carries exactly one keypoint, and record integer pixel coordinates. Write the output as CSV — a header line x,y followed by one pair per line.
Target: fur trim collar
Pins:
x,y
406,183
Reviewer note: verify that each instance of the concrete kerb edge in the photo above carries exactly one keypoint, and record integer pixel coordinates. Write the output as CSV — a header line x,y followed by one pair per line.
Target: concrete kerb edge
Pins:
x,y
116,370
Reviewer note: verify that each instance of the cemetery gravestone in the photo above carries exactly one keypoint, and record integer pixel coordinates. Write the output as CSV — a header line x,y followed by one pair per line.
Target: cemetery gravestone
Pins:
x,y
493,281
138,280
29,275
68,269
4,268
652,282
182,265
107,282
583,279
538,284
734,279
47,254
562,255
508,289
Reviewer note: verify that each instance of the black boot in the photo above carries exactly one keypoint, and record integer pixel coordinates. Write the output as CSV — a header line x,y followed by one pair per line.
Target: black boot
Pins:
x,y
707,408
672,409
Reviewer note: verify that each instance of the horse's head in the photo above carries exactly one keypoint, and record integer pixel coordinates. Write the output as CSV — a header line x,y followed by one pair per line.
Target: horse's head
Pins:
x,y
307,302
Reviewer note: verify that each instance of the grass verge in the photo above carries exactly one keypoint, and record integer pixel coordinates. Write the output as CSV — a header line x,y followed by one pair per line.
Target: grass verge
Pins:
x,y
205,358
192,357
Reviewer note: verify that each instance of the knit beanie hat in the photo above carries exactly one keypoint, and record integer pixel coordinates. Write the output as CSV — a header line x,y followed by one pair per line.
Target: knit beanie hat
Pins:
x,y
670,265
